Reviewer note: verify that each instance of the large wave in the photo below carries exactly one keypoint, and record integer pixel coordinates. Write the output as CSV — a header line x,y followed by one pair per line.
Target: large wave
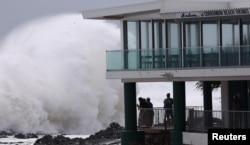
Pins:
x,y
52,76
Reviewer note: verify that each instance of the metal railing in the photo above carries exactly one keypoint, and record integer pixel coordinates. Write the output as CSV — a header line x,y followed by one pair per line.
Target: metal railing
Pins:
x,y
148,117
202,120
197,119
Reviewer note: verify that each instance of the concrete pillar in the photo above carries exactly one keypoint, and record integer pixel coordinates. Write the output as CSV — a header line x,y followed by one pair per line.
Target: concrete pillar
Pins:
x,y
130,134
225,104
207,101
207,95
179,113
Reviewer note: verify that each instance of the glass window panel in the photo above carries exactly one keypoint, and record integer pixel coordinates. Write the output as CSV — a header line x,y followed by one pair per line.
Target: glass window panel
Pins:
x,y
163,28
210,39
131,35
132,59
230,33
146,35
210,34
146,59
118,63
159,34
230,41
173,35
192,34
131,55
146,44
174,51
246,32
159,44
245,49
192,43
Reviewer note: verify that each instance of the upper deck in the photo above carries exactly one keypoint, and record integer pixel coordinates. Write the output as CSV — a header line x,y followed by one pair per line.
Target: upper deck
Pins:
x,y
210,63
180,40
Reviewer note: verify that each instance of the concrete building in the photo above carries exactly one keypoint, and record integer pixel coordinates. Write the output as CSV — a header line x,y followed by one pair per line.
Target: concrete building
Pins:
x,y
178,41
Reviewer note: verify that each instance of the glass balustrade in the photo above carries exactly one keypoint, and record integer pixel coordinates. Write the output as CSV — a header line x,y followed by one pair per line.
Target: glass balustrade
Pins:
x,y
176,58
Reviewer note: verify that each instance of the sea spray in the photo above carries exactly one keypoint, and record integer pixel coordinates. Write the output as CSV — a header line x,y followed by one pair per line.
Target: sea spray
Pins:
x,y
52,76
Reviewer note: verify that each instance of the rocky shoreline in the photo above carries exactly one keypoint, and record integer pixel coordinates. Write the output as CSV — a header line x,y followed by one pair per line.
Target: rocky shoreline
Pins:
x,y
109,136
111,133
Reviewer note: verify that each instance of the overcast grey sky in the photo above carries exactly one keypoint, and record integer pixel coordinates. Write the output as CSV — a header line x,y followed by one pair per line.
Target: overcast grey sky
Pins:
x,y
16,12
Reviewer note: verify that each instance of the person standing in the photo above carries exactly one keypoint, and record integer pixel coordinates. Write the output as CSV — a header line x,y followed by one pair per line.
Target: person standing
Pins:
x,y
150,113
142,106
168,106
237,115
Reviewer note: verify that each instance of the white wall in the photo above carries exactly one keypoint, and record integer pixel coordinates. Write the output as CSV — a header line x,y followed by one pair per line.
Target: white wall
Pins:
x,y
194,138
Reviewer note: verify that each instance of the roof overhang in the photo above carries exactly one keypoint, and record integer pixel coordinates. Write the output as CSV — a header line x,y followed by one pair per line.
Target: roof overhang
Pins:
x,y
163,7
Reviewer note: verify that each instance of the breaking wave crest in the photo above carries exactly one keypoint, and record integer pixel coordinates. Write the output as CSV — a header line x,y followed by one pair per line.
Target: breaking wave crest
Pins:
x,y
52,76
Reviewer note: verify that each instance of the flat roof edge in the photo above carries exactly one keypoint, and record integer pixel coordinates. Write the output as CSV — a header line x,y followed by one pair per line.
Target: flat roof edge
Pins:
x,y
171,7
163,6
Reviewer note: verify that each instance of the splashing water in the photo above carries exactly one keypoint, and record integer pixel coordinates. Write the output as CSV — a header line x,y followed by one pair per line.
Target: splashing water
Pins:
x,y
52,77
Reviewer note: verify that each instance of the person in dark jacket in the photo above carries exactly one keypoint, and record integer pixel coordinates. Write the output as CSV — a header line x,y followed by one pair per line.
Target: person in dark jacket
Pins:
x,y
150,113
142,114
168,106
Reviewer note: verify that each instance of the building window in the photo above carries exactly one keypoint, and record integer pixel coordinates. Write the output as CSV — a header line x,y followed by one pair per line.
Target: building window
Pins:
x,y
230,43
210,41
159,34
245,49
173,35
132,35
174,55
131,57
192,44
146,35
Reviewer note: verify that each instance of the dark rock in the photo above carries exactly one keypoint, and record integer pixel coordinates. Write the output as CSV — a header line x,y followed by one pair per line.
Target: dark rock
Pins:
x,y
110,133
47,139
25,136
5,133
21,136
59,140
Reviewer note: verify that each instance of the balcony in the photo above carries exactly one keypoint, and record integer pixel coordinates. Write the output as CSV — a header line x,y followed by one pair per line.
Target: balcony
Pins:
x,y
178,58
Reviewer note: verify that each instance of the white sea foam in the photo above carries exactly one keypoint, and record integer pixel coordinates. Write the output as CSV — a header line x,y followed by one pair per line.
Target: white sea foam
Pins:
x,y
52,76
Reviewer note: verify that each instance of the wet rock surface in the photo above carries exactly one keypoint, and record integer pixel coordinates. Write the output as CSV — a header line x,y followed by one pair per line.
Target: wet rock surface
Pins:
x,y
25,136
4,134
110,134
58,140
